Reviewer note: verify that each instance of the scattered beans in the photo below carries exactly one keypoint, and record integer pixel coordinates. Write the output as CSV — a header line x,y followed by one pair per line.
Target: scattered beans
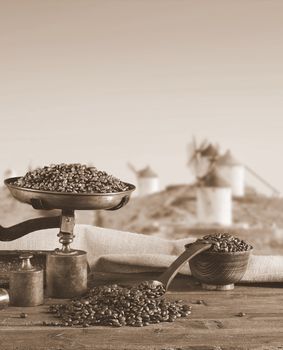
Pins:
x,y
73,178
119,306
226,243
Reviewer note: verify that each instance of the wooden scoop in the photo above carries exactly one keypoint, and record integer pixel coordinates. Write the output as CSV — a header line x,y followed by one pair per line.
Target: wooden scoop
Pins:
x,y
191,250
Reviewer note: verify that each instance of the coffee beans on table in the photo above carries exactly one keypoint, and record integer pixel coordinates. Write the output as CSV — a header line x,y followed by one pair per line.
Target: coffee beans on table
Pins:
x,y
226,243
73,178
118,306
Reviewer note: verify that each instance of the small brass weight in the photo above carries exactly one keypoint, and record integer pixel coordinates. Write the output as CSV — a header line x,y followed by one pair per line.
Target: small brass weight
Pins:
x,y
26,284
66,269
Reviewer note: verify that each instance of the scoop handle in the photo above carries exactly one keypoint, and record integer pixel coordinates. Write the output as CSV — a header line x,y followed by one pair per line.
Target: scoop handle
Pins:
x,y
191,250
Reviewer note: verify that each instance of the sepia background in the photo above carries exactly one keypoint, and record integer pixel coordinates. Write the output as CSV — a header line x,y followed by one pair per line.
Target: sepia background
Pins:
x,y
107,82
117,81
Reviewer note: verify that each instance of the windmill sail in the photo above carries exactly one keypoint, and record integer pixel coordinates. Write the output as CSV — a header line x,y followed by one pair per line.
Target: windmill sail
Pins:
x,y
201,158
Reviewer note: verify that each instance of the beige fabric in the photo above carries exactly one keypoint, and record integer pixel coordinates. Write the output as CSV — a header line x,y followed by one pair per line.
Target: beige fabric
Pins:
x,y
118,251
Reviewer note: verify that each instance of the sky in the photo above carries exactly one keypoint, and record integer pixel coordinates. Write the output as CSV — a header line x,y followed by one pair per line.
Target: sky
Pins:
x,y
111,81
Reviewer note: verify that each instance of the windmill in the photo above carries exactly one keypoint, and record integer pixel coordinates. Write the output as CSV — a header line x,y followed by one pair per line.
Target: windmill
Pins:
x,y
148,181
213,194
202,157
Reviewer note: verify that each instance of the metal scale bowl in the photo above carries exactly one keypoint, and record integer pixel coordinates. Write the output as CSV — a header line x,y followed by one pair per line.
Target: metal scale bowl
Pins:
x,y
66,269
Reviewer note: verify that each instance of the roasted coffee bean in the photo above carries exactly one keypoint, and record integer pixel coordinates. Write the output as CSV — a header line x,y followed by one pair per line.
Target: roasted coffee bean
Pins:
x,y
74,178
119,306
226,243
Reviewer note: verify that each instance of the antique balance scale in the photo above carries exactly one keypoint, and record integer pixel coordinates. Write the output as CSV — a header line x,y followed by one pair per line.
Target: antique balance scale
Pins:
x,y
66,268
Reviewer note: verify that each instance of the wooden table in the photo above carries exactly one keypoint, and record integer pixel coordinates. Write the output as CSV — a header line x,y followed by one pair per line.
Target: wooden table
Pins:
x,y
214,324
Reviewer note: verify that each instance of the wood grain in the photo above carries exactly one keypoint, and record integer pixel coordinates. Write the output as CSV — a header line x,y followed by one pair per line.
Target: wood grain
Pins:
x,y
219,268
214,323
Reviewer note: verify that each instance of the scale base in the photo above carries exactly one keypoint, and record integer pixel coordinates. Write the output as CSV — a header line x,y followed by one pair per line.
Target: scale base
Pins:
x,y
217,286
66,274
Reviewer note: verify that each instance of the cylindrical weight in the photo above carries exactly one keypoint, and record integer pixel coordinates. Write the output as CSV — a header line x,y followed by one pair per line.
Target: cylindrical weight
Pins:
x,y
66,274
26,284
4,298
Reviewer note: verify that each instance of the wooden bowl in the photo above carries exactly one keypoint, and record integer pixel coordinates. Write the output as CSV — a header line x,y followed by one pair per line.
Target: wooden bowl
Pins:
x,y
219,271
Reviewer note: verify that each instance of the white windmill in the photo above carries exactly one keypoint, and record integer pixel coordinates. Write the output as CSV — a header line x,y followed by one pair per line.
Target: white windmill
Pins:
x,y
202,158
214,196
148,180
233,171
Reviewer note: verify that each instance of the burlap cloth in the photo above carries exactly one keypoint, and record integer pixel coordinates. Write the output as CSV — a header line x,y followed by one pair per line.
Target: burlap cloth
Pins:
x,y
125,252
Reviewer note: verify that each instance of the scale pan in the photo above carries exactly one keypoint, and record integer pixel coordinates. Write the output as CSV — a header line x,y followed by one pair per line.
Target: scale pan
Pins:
x,y
69,201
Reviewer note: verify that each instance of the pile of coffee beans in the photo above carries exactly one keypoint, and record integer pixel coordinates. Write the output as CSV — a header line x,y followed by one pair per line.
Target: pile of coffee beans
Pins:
x,y
226,243
119,306
74,178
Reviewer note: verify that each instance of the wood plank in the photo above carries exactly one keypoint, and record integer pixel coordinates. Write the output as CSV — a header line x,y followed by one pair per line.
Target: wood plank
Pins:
x,y
214,324
131,338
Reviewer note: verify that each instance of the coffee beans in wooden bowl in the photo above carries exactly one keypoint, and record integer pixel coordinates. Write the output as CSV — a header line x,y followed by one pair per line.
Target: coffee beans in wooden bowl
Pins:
x,y
72,178
226,243
223,264
118,306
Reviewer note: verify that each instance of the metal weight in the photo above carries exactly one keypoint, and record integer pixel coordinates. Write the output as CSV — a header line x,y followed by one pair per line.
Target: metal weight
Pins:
x,y
66,274
4,298
26,284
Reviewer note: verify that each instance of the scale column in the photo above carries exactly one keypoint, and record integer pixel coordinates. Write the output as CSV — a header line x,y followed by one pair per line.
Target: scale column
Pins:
x,y
66,268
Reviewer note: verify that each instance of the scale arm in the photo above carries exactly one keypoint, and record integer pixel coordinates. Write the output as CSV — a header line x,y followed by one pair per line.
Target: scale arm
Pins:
x,y
19,230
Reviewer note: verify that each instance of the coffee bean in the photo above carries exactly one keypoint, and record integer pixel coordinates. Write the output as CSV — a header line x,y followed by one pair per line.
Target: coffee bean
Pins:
x,y
75,178
119,306
226,243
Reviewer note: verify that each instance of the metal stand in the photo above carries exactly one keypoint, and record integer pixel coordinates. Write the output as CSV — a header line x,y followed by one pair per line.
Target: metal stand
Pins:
x,y
66,234
66,268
